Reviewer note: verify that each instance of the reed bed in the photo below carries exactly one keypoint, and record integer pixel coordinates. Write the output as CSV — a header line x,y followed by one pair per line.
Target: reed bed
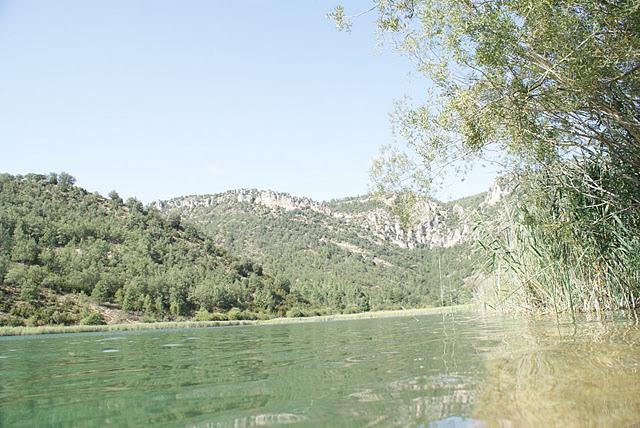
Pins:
x,y
58,329
568,241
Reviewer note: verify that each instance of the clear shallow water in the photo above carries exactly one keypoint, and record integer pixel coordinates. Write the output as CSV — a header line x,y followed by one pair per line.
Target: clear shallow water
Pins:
x,y
442,371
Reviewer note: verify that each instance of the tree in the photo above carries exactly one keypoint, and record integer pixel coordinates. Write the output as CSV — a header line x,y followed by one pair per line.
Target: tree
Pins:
x,y
27,278
101,291
135,206
554,88
25,248
66,180
116,200
538,80
174,220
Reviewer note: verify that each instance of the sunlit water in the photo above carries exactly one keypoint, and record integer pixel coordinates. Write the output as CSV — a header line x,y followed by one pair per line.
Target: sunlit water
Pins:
x,y
441,370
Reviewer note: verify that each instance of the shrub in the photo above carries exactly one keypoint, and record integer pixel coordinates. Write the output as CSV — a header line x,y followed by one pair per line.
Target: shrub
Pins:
x,y
352,309
203,315
234,314
295,313
90,317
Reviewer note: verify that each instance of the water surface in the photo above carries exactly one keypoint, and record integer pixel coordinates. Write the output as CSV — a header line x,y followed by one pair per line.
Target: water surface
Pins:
x,y
439,370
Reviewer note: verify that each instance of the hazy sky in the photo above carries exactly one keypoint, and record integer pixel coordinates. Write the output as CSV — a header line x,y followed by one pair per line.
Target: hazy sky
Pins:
x,y
162,98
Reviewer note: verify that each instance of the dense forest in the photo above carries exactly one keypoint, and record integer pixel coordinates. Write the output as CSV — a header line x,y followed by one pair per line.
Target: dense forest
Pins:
x,y
69,256
330,259
65,254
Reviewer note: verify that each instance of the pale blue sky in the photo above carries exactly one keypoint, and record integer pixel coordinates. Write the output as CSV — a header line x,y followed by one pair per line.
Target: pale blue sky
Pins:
x,y
158,98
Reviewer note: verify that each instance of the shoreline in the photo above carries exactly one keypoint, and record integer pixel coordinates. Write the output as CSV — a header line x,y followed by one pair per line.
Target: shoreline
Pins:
x,y
176,325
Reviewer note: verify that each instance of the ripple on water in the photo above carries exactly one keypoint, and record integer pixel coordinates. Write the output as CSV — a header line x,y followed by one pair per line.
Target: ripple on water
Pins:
x,y
359,359
366,396
109,339
457,421
110,350
171,345
278,419
427,382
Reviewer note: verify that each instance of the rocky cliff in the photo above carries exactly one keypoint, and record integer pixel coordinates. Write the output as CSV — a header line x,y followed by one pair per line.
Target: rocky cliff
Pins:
x,y
266,198
434,224
350,247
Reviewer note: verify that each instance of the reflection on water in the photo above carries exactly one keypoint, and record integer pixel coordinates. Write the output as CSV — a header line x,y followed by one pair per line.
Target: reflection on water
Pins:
x,y
586,374
438,371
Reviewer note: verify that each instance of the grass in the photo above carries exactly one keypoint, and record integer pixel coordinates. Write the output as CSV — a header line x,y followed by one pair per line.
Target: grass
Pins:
x,y
58,329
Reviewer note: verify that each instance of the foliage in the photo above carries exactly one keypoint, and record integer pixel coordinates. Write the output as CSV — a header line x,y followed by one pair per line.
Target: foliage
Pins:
x,y
56,239
68,256
90,317
554,87
538,79
322,263
570,242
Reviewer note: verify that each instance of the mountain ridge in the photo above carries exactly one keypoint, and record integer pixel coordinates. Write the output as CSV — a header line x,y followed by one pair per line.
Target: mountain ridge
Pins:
x,y
355,243
429,228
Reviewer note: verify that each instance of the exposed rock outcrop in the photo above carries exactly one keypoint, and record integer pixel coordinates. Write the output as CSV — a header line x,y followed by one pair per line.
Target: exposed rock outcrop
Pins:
x,y
267,198
434,224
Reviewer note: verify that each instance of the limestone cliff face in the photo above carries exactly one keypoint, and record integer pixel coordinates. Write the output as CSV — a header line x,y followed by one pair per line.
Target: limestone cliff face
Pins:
x,y
266,198
434,224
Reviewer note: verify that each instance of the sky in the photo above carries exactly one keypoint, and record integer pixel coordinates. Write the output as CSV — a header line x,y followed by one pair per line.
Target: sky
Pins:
x,y
158,98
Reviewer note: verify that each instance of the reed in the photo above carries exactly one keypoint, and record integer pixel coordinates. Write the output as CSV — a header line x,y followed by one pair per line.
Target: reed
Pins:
x,y
59,329
568,241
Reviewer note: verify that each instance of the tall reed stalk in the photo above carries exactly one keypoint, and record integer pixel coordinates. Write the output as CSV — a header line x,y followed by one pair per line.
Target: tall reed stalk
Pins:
x,y
568,240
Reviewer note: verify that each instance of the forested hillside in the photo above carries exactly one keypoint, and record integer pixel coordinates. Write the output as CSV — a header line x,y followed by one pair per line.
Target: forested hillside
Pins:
x,y
68,256
63,251
350,254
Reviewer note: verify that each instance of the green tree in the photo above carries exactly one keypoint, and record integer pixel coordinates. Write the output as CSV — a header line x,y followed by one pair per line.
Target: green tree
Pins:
x,y
66,180
174,220
25,248
100,292
554,88
27,278
116,200
539,80
135,205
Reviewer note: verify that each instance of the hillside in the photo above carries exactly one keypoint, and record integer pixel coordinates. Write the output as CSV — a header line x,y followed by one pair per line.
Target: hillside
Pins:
x,y
68,256
349,254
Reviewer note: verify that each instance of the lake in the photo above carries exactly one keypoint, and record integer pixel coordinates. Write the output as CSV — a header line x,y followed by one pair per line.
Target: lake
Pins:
x,y
452,370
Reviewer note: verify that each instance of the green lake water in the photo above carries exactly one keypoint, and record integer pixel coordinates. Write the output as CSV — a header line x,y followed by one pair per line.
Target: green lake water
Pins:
x,y
450,370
